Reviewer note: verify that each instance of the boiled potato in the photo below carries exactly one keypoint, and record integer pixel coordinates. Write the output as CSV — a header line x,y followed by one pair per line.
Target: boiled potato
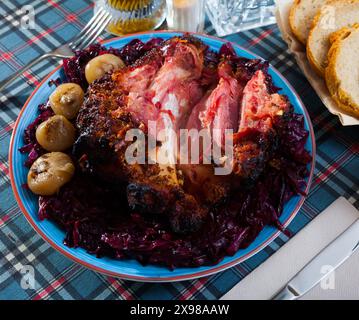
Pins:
x,y
56,134
67,99
49,173
98,66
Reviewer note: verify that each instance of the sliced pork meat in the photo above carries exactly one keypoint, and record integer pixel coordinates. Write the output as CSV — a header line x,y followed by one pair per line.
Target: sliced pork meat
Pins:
x,y
224,100
229,93
175,89
259,107
136,82
194,121
177,86
255,140
217,111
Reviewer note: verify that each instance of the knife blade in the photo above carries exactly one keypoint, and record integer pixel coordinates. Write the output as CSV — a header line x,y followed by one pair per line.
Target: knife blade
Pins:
x,y
339,250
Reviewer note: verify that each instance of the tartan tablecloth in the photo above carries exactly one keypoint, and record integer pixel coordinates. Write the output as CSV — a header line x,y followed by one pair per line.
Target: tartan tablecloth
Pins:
x,y
56,277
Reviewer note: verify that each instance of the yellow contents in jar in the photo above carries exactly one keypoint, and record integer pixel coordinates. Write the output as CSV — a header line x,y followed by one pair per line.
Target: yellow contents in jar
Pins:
x,y
131,26
135,15
128,5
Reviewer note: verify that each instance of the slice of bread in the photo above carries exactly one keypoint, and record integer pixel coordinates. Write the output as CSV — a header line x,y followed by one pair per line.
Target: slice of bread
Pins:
x,y
301,16
333,16
342,72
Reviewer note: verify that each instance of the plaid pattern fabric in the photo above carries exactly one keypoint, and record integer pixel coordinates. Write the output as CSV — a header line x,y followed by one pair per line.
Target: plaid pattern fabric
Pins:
x,y
57,277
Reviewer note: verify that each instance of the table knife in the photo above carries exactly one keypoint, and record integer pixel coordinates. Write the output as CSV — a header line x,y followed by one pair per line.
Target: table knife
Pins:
x,y
332,256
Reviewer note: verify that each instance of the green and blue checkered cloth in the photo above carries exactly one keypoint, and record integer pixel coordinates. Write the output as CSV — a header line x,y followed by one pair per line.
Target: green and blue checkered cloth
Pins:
x,y
56,22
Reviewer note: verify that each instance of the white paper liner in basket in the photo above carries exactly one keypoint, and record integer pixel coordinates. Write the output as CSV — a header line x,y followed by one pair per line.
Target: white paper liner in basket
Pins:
x,y
298,50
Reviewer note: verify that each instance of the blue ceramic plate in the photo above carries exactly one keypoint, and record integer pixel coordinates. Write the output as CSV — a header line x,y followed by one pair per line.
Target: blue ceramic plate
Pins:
x,y
131,269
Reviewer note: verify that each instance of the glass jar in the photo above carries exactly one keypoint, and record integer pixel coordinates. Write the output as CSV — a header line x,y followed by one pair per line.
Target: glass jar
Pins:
x,y
129,16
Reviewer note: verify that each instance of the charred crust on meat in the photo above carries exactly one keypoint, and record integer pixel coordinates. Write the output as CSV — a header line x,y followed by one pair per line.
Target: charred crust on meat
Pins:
x,y
252,154
187,215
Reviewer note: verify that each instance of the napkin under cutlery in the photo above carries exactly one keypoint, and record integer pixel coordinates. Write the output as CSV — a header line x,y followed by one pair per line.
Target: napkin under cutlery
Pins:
x,y
277,270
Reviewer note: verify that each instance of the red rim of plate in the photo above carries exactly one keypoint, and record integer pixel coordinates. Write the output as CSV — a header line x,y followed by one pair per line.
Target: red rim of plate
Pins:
x,y
175,278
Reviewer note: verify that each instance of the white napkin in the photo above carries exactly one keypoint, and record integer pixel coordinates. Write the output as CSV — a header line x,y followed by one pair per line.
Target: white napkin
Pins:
x,y
298,50
272,275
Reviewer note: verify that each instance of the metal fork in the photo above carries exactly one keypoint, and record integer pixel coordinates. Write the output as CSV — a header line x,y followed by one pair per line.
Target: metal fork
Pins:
x,y
87,36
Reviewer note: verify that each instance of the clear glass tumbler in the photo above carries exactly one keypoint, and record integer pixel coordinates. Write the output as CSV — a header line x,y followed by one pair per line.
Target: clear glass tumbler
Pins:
x,y
185,15
231,16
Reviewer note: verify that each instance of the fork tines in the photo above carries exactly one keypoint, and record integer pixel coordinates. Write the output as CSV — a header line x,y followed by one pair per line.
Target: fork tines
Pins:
x,y
92,30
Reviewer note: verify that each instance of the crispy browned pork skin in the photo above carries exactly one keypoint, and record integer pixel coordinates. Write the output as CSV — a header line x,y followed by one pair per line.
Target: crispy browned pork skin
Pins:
x,y
255,140
169,86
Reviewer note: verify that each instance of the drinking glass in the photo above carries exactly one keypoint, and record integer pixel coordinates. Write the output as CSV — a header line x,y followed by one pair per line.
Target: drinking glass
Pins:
x,y
185,15
231,16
